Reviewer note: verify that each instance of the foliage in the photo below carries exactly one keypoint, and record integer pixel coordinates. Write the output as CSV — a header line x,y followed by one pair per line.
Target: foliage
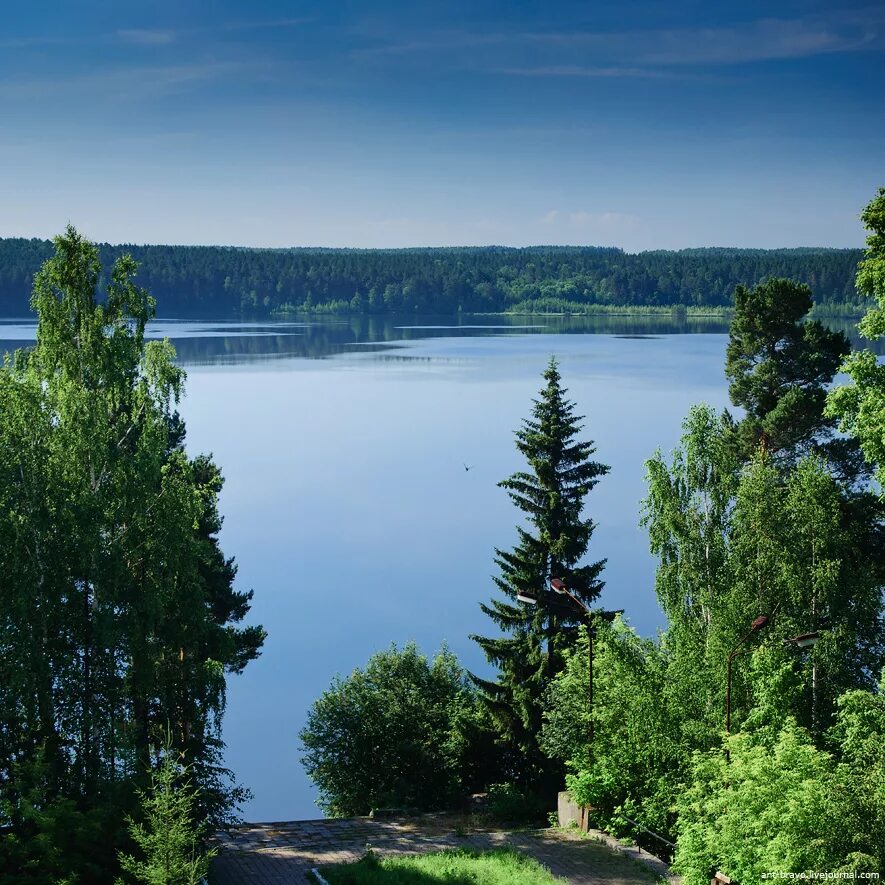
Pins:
x,y
676,312
508,804
769,526
809,555
57,842
634,765
736,542
778,366
404,732
860,406
858,737
551,495
779,804
169,837
199,279
769,515
118,618
770,809
688,513
499,867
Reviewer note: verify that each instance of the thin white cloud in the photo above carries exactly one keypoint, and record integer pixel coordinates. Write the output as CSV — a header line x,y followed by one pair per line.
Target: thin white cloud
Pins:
x,y
124,82
441,40
149,36
609,72
146,36
640,52
764,40
35,40
266,24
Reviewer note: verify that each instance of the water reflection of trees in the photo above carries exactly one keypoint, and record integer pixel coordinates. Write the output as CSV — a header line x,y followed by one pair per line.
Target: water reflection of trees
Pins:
x,y
364,334
312,338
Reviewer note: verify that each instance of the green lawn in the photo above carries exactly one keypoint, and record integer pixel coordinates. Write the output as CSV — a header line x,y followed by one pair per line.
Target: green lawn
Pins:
x,y
501,867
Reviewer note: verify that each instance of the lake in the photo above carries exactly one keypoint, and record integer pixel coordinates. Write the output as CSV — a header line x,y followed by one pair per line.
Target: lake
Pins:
x,y
347,505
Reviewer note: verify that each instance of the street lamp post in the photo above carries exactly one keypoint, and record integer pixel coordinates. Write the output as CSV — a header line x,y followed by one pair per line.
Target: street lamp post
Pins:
x,y
808,640
758,624
559,586
805,640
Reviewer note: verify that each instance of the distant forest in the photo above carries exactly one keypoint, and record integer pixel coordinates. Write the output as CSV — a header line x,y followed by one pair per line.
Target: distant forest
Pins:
x,y
215,280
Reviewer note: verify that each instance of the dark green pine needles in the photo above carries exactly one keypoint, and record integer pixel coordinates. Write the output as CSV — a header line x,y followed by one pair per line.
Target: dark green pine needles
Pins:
x,y
779,365
551,494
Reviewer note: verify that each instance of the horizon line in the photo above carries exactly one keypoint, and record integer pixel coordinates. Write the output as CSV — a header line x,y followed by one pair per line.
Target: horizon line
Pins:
x,y
325,248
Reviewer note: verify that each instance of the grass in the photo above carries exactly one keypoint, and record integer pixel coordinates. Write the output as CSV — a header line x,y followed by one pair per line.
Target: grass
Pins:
x,y
459,867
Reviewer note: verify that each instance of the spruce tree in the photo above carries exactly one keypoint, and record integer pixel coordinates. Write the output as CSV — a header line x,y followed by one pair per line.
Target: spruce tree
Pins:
x,y
168,837
551,494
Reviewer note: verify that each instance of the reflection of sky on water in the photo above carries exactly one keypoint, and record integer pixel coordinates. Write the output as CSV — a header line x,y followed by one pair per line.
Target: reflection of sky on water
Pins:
x,y
349,510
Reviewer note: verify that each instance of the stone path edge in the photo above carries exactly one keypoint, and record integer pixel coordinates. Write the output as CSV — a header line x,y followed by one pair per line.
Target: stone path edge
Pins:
x,y
287,851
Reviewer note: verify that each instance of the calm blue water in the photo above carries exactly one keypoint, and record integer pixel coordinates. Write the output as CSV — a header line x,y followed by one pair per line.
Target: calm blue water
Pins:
x,y
346,501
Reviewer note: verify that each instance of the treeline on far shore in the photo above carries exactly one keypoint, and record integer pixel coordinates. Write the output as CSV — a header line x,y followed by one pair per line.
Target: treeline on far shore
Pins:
x,y
200,280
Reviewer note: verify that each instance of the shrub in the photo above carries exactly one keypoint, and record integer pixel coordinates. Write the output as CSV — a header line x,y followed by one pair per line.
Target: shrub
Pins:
x,y
508,804
404,732
780,805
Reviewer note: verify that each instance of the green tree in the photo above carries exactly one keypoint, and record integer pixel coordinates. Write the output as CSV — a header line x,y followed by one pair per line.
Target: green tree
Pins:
x,y
858,737
688,513
118,614
767,513
208,280
800,555
778,366
860,406
168,837
738,542
831,582
404,732
638,754
551,495
780,804
775,806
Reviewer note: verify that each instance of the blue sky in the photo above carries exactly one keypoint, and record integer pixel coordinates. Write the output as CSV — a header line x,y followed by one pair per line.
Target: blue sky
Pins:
x,y
638,124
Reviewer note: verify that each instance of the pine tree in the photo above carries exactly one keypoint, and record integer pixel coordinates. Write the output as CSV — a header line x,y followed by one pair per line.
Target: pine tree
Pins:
x,y
551,494
779,366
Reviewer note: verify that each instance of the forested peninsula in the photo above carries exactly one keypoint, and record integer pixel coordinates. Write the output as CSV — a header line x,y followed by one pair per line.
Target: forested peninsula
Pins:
x,y
218,280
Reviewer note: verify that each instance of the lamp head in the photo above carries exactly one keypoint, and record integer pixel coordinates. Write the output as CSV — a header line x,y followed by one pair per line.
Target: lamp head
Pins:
x,y
558,586
806,640
528,600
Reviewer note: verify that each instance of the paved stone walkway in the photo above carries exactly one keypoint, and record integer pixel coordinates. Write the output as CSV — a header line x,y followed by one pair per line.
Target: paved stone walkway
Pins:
x,y
278,853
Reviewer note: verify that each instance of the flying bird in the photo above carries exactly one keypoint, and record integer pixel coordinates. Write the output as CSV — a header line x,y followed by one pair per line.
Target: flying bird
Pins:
x,y
466,467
